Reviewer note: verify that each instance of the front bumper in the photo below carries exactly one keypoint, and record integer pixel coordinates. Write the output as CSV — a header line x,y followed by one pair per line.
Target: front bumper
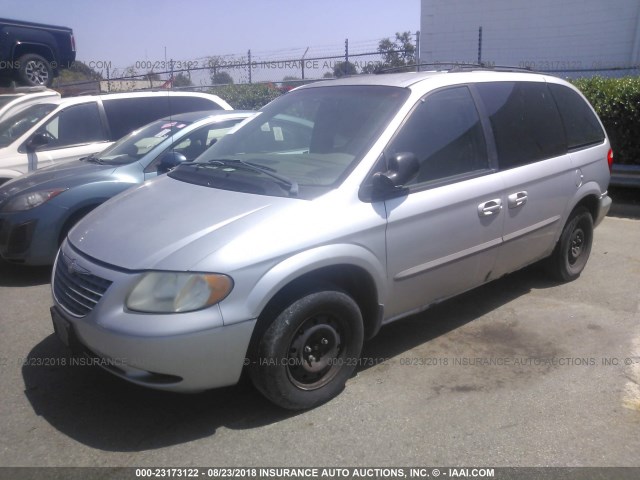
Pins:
x,y
186,352
31,237
604,205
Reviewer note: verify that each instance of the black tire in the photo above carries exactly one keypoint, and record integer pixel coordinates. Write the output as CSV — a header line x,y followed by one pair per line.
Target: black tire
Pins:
x,y
309,351
573,248
34,70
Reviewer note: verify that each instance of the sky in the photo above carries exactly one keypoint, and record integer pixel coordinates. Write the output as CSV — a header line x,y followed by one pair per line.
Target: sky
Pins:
x,y
128,32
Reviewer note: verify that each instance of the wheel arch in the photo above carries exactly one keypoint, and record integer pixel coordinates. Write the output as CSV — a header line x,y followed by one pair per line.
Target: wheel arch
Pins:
x,y
74,217
36,49
361,283
587,196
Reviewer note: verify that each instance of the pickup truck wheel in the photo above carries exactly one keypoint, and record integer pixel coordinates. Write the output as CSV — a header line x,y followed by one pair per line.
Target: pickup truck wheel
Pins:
x,y
35,70
572,251
309,351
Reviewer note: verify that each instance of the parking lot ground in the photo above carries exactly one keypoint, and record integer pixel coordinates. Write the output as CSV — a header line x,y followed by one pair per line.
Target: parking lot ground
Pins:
x,y
519,372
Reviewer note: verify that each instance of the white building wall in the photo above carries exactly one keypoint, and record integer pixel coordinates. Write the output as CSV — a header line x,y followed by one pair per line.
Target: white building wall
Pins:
x,y
541,34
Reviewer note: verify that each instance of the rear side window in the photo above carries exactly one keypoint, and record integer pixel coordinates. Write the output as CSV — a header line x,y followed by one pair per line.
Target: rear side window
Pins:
x,y
525,121
581,125
75,125
445,135
127,114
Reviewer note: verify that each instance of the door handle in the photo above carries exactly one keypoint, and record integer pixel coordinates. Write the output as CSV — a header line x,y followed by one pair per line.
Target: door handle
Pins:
x,y
489,208
517,199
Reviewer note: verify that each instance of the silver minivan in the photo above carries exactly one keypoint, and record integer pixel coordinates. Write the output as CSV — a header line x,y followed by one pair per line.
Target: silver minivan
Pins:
x,y
342,206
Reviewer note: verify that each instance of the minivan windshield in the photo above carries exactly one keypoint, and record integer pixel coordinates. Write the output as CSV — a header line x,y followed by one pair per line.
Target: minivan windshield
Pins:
x,y
138,143
301,144
15,126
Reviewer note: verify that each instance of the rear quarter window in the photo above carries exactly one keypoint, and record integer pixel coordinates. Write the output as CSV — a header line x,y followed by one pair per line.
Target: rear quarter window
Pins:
x,y
580,123
127,114
525,122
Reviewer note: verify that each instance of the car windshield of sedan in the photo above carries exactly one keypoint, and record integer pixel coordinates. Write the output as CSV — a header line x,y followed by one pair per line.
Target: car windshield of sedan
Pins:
x,y
302,144
15,126
138,143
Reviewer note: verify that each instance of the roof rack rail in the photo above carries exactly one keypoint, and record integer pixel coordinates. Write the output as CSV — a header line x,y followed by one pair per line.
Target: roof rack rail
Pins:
x,y
494,68
458,67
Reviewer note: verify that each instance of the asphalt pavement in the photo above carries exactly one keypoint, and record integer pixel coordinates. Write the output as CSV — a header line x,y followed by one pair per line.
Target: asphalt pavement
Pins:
x,y
519,372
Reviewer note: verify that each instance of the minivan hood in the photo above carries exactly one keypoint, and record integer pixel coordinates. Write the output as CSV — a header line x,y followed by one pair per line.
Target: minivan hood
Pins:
x,y
145,227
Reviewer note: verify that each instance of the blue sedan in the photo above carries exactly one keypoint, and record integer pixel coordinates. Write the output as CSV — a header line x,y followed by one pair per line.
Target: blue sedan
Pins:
x,y
38,209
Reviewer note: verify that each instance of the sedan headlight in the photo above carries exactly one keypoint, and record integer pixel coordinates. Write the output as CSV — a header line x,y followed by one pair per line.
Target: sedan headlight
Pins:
x,y
27,201
173,292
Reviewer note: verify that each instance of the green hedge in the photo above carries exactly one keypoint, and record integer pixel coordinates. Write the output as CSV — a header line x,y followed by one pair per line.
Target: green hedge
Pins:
x,y
248,96
617,101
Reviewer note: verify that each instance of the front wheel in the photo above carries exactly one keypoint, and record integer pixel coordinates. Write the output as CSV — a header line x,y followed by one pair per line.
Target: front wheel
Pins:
x,y
309,351
572,251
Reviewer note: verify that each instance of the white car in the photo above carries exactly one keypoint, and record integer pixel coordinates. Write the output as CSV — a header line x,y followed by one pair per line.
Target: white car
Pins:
x,y
71,128
15,99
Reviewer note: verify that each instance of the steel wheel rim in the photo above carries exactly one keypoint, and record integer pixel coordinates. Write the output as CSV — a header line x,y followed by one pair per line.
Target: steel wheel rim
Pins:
x,y
316,352
576,245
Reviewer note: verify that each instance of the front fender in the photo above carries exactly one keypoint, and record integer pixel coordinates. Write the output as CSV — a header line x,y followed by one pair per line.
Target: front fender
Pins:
x,y
242,305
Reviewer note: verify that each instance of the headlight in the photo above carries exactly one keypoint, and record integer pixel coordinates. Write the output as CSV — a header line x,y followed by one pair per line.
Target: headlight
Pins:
x,y
27,201
173,292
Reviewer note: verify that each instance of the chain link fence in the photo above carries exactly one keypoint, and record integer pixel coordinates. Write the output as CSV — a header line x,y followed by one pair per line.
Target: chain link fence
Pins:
x,y
283,68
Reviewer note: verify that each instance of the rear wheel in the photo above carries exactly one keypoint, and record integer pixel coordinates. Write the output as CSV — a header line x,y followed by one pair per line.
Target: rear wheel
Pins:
x,y
309,351
35,70
572,251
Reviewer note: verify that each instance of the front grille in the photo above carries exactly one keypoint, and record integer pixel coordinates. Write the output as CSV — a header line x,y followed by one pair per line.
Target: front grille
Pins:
x,y
75,291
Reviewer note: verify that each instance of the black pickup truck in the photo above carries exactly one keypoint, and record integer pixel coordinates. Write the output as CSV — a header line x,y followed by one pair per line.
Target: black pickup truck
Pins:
x,y
34,53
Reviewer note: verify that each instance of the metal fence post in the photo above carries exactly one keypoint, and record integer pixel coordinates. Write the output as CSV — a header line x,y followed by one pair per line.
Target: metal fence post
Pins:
x,y
346,56
249,55
417,59
480,46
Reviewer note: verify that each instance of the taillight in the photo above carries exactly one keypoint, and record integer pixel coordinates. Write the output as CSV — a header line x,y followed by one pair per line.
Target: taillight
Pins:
x,y
73,43
610,159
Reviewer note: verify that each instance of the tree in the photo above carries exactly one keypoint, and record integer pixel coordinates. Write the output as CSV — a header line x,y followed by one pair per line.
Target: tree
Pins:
x,y
342,69
217,74
221,78
399,52
182,80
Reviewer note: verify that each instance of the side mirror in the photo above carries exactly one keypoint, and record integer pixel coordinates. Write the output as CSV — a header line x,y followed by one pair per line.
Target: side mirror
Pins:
x,y
402,168
36,141
169,161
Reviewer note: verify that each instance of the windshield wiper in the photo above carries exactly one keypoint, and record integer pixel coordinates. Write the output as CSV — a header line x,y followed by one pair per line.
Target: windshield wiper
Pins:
x,y
292,185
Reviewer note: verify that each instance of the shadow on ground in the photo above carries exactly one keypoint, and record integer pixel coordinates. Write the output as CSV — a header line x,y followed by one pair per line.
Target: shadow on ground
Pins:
x,y
104,412
626,202
12,275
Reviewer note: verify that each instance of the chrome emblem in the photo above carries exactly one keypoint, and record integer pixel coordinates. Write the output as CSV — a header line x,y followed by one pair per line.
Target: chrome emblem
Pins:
x,y
73,267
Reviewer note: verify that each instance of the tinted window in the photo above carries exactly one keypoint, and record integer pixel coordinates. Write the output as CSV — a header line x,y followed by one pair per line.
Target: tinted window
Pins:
x,y
580,123
445,134
525,121
76,125
127,114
